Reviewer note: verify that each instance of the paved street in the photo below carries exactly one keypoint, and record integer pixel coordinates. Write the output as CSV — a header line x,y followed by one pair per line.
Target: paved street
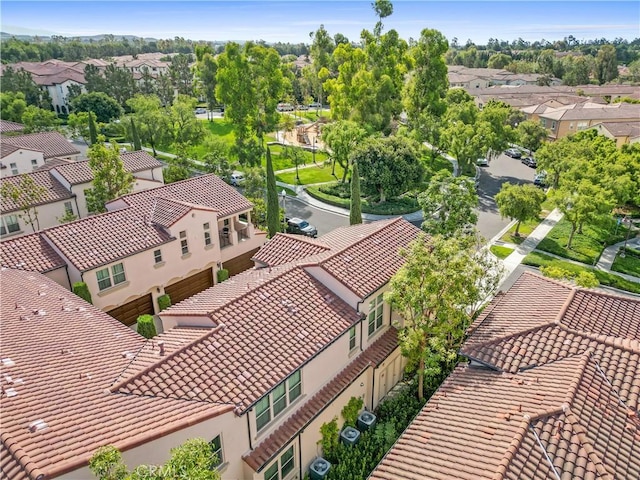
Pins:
x,y
323,220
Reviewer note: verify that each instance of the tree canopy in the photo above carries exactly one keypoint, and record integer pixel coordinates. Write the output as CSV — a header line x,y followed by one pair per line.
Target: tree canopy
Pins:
x,y
110,179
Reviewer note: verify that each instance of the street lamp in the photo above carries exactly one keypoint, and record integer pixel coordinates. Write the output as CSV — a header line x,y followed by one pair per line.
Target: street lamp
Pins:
x,y
284,208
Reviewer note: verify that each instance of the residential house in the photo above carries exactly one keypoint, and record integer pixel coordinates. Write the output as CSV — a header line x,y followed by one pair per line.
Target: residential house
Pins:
x,y
621,132
261,360
15,160
64,190
10,128
551,390
171,239
482,78
49,144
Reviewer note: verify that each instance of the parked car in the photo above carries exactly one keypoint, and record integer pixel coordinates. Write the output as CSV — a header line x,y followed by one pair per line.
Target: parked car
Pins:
x,y
285,107
482,162
513,153
301,227
236,179
540,180
200,110
529,162
302,107
315,105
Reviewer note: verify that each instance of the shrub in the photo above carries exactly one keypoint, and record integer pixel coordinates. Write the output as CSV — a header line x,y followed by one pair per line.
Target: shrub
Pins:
x,y
556,272
164,301
330,439
222,275
587,280
81,289
146,327
351,410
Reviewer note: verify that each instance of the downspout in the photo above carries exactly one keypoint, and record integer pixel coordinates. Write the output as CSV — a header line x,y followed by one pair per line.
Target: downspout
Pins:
x,y
75,199
66,270
361,319
249,430
300,452
373,387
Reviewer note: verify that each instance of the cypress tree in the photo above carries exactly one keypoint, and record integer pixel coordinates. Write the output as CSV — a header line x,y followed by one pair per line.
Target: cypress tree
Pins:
x,y
273,207
137,145
93,131
355,212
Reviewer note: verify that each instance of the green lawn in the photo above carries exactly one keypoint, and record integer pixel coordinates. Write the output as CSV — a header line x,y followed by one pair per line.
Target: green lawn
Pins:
x,y
500,251
280,162
586,247
320,173
397,206
630,264
537,259
525,230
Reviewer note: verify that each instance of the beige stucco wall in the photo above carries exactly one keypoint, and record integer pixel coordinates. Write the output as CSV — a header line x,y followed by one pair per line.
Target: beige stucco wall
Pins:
x,y
154,174
334,285
22,158
59,275
48,215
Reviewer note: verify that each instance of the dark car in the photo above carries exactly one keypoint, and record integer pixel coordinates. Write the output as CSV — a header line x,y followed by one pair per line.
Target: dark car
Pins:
x,y
540,180
529,162
301,227
513,153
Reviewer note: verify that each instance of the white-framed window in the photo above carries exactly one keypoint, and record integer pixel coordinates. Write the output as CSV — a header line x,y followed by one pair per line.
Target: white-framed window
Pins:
x,y
216,447
376,308
9,224
157,256
583,125
109,277
272,405
34,162
553,125
14,168
352,338
207,234
184,244
68,208
282,467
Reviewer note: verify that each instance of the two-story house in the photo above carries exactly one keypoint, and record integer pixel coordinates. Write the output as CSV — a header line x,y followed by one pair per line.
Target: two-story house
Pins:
x,y
260,361
64,189
171,239
47,144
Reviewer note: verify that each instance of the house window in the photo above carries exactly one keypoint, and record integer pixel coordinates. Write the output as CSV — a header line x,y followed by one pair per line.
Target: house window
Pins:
x,y
263,412
543,122
14,169
282,395
68,208
9,224
571,126
34,162
582,125
352,338
207,234
376,307
157,256
553,125
105,280
184,244
216,447
281,467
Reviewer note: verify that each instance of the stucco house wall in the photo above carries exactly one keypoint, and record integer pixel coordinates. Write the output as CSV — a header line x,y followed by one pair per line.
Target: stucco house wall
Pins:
x,y
20,161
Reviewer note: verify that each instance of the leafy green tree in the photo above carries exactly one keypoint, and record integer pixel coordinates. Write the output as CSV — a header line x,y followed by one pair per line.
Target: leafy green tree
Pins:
x,y
120,84
531,134
519,202
389,166
165,90
181,74
499,60
187,130
448,205
437,292
12,106
355,209
216,158
137,145
559,157
493,128
207,68
26,195
93,131
20,81
342,137
110,178
273,207
321,49
577,69
78,124
383,9
36,119
606,64
105,107
151,119
179,168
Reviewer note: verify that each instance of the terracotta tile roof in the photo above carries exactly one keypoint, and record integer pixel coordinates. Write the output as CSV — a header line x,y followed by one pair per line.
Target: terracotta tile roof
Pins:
x,y
30,252
284,248
206,190
54,190
298,314
105,238
80,172
6,126
368,263
7,149
582,358
56,378
166,212
53,162
621,129
52,144
371,357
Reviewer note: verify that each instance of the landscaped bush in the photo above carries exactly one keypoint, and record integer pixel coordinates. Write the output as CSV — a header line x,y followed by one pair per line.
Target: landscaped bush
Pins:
x,y
164,301
629,264
146,327
351,410
396,206
81,289
222,275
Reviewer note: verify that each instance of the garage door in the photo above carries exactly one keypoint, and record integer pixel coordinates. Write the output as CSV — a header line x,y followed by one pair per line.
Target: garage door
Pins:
x,y
240,263
129,312
189,286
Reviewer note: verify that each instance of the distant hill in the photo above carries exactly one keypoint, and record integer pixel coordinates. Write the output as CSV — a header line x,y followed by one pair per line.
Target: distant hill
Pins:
x,y
82,38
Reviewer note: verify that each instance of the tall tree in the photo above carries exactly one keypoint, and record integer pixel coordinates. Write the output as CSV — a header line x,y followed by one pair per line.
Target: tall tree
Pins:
x,y
342,137
13,105
21,81
181,74
519,202
25,195
448,205
437,292
110,178
93,131
383,9
36,119
104,107
78,124
207,68
273,207
186,130
606,64
151,119
355,206
137,145
531,134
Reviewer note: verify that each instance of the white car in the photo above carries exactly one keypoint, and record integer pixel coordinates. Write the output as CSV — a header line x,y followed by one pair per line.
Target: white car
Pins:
x,y
200,110
482,162
236,179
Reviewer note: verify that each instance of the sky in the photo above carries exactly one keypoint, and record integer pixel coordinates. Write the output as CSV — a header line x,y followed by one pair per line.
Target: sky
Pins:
x,y
293,20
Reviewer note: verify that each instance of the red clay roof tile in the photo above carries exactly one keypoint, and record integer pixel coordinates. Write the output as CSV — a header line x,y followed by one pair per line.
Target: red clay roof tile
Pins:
x,y
30,252
52,144
53,191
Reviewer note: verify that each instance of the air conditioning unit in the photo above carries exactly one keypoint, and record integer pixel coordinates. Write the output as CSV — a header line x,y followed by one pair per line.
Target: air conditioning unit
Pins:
x,y
366,420
349,436
319,469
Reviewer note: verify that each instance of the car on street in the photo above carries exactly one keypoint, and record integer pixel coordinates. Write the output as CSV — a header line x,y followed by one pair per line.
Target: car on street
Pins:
x,y
529,162
482,162
200,110
299,226
513,153
315,105
540,180
285,107
236,179
302,107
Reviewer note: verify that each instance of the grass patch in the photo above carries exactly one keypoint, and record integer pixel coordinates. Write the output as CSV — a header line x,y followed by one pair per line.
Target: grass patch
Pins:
x,y
525,230
538,259
280,160
500,251
320,173
630,264
586,247
397,206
